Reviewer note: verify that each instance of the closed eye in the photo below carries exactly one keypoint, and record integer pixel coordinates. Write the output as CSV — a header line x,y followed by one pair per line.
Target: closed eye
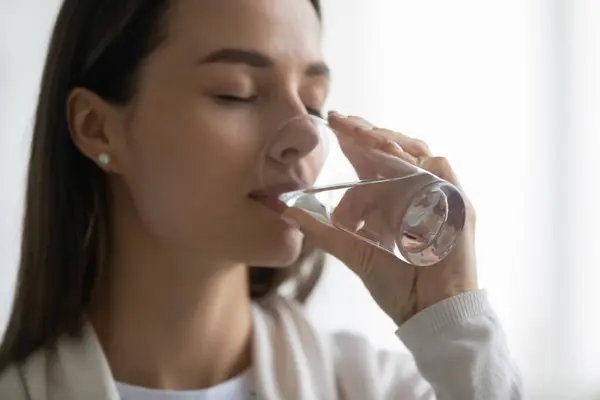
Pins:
x,y
237,99
228,98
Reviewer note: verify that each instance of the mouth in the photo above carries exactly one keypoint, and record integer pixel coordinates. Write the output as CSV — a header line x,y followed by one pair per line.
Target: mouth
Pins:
x,y
269,196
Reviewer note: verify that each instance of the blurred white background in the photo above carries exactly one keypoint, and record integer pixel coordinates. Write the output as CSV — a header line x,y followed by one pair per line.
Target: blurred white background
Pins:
x,y
507,90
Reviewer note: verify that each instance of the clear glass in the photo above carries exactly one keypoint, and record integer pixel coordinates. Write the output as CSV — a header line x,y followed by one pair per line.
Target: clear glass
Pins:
x,y
380,198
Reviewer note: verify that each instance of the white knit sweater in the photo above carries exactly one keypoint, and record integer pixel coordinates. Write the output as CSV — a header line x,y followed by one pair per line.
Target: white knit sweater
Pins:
x,y
458,347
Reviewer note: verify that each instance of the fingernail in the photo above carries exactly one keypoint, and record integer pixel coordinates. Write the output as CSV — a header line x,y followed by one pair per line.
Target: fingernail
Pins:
x,y
290,222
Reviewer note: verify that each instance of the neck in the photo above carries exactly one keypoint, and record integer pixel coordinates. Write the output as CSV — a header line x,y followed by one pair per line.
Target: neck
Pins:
x,y
166,323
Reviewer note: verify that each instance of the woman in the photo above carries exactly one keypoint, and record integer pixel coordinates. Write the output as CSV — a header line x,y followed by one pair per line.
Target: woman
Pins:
x,y
138,275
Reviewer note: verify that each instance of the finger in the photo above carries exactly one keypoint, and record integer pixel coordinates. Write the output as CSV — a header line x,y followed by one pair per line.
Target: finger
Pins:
x,y
394,148
362,133
358,255
413,146
355,205
354,129
440,167
360,128
355,155
380,226
387,160
351,210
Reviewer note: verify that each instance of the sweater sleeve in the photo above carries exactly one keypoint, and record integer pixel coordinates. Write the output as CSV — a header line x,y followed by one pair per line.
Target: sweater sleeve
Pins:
x,y
458,351
459,348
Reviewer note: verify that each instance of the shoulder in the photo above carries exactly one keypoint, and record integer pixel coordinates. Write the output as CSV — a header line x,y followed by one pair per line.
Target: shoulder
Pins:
x,y
27,379
74,368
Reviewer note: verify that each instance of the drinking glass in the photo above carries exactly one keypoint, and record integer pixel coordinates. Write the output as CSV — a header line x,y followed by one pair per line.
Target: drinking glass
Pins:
x,y
365,191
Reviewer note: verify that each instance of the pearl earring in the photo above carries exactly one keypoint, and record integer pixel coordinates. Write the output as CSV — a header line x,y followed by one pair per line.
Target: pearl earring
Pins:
x,y
104,159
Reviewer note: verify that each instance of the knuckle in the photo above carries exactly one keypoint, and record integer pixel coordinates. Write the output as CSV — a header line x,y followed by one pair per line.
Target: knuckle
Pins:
x,y
442,163
440,166
362,124
421,147
364,256
392,135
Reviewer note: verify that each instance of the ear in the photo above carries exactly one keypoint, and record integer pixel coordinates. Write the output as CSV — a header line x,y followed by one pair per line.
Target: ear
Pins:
x,y
93,128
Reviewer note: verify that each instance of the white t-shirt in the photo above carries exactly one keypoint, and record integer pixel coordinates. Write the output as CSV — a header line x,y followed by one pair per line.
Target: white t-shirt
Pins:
x,y
239,388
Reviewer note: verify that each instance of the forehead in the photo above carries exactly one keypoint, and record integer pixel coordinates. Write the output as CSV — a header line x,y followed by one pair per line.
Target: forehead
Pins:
x,y
279,28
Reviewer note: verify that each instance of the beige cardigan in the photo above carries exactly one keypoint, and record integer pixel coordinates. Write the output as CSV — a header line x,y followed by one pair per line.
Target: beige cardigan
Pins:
x,y
458,346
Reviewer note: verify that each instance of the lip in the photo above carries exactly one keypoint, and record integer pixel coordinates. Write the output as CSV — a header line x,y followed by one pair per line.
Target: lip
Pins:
x,y
278,189
269,196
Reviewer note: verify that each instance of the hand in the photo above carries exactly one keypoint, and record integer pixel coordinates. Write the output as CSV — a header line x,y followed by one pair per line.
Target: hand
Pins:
x,y
400,289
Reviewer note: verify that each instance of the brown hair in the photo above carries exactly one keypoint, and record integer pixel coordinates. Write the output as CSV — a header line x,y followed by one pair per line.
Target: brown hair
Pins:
x,y
98,45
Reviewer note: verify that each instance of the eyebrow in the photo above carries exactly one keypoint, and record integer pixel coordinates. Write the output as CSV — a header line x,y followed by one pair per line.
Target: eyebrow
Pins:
x,y
257,59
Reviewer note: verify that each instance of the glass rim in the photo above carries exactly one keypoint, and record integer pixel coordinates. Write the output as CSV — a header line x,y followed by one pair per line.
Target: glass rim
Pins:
x,y
320,120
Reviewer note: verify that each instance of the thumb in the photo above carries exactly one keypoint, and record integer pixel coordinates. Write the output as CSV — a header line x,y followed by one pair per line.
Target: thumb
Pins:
x,y
357,254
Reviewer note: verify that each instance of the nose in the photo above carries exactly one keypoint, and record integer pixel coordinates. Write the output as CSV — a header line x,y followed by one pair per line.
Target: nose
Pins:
x,y
296,139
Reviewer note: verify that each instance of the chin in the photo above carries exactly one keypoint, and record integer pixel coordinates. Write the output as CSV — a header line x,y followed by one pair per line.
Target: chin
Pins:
x,y
280,250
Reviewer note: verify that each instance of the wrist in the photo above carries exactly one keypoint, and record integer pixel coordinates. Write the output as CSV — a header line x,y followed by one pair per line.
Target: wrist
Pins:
x,y
433,297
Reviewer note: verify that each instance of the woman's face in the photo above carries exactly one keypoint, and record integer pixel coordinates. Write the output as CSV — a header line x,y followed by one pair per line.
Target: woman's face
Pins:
x,y
228,75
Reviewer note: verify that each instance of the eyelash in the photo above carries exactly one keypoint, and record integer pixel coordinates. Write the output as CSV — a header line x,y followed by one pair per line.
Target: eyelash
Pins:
x,y
235,99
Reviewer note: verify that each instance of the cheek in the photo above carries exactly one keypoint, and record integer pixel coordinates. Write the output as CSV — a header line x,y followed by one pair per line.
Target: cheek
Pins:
x,y
187,175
